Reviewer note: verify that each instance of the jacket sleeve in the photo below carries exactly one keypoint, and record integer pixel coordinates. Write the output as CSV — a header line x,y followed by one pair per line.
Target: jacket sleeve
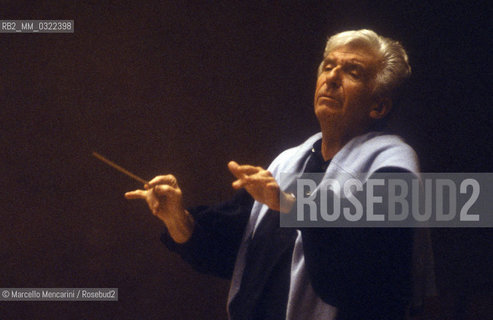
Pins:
x,y
364,272
217,235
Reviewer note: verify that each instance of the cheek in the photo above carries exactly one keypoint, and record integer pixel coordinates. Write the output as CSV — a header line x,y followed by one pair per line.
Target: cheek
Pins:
x,y
318,84
357,94
359,105
321,80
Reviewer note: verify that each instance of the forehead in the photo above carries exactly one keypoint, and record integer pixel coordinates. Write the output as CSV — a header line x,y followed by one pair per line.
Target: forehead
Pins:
x,y
360,55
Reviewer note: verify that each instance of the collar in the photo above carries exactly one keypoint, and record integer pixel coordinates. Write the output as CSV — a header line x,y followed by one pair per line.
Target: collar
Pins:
x,y
316,162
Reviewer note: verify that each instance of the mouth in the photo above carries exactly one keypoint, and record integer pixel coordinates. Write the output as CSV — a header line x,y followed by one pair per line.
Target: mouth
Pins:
x,y
328,98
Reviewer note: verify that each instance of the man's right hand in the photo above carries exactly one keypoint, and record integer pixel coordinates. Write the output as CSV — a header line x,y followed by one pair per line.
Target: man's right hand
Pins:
x,y
164,198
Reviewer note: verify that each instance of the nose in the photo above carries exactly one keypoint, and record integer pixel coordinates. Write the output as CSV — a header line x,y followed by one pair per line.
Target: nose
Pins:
x,y
333,77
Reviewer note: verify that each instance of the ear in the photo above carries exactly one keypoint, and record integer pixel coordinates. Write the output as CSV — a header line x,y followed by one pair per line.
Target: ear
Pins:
x,y
380,108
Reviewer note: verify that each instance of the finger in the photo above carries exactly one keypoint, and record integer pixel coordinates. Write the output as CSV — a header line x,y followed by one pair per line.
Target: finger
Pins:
x,y
136,194
254,180
242,170
248,169
162,190
273,186
233,168
265,173
163,179
238,184
257,179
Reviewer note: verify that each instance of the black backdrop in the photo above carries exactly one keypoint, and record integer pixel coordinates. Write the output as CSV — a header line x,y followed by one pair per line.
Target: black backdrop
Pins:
x,y
184,87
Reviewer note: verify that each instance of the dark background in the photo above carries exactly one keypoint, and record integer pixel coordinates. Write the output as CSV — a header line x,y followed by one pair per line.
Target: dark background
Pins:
x,y
184,87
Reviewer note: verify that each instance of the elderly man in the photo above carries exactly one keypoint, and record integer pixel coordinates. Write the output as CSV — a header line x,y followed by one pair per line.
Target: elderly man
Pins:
x,y
308,273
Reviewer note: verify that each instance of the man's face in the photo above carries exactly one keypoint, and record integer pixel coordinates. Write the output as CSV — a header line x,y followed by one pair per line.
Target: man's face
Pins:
x,y
343,94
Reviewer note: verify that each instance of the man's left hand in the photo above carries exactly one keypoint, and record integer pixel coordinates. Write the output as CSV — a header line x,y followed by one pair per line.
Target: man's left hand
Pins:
x,y
261,185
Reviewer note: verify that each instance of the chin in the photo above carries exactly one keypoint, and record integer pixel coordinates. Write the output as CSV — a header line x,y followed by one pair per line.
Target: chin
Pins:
x,y
324,110
327,116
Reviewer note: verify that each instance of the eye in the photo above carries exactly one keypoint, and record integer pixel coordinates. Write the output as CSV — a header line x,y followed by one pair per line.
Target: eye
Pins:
x,y
328,67
355,74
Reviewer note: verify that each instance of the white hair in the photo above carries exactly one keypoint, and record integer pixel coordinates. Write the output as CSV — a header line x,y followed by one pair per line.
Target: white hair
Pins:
x,y
395,68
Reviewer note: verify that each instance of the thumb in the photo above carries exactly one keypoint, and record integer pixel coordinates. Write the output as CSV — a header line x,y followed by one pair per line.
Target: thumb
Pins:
x,y
136,194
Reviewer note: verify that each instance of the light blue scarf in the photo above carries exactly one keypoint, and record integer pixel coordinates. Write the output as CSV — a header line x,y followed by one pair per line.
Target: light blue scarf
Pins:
x,y
359,158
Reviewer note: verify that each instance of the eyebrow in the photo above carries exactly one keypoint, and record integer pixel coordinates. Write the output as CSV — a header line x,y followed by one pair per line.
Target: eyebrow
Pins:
x,y
351,62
